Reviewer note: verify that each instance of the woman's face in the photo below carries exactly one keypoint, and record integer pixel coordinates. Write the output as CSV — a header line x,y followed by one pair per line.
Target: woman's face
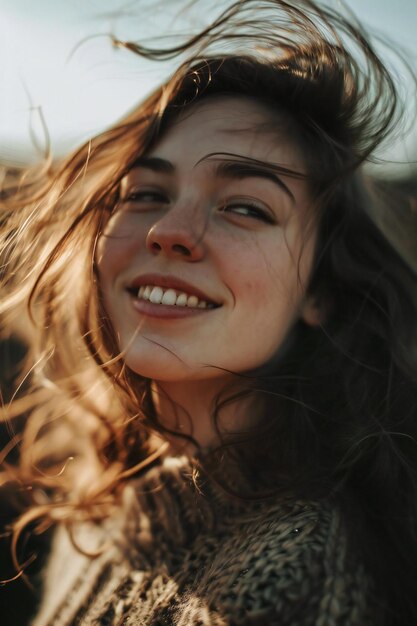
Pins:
x,y
218,237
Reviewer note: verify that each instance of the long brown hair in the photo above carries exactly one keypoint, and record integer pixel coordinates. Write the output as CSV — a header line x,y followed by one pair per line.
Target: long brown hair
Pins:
x,y
339,401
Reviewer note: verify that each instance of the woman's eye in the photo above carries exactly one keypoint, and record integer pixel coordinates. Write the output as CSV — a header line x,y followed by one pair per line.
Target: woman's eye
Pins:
x,y
249,210
146,196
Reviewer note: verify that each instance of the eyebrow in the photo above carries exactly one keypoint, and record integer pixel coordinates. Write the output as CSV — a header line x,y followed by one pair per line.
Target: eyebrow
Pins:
x,y
238,170
155,164
232,169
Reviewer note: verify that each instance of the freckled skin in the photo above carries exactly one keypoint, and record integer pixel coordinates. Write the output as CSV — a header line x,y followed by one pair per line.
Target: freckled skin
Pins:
x,y
244,263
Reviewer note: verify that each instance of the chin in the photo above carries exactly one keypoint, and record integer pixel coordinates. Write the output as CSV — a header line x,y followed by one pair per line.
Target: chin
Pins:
x,y
160,364
169,367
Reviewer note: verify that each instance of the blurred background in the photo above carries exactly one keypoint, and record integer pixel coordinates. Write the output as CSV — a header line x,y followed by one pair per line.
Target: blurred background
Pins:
x,y
60,71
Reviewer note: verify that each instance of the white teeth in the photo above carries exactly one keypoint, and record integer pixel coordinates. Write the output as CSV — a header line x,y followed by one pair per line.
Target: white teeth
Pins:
x,y
192,301
182,299
156,295
170,297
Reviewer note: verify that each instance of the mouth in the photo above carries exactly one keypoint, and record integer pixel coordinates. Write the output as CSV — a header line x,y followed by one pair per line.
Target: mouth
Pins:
x,y
170,292
170,297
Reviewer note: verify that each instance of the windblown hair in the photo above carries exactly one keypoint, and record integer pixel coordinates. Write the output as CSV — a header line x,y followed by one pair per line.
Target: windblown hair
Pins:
x,y
339,403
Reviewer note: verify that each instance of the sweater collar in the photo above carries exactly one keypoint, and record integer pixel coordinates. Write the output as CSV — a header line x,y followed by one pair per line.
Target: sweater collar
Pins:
x,y
174,500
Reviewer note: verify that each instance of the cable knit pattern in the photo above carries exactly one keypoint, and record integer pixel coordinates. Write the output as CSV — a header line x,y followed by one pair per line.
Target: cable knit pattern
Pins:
x,y
181,556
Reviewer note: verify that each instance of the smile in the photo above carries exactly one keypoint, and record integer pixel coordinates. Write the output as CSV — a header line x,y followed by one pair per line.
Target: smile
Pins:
x,y
171,297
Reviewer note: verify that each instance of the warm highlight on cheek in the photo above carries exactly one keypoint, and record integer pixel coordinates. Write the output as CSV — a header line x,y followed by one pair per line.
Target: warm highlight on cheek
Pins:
x,y
118,243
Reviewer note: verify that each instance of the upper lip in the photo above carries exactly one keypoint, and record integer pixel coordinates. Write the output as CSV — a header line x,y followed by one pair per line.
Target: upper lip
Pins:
x,y
170,282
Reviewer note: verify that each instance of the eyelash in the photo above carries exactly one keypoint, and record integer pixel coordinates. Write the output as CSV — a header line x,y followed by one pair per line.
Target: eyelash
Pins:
x,y
138,196
254,211
257,212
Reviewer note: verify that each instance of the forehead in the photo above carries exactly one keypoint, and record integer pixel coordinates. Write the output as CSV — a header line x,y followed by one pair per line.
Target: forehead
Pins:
x,y
237,125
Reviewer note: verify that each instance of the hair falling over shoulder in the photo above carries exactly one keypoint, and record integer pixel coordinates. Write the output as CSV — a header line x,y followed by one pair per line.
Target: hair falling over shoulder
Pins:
x,y
339,405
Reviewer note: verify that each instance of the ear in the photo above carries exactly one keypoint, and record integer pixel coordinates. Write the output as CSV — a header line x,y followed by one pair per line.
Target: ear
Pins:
x,y
312,312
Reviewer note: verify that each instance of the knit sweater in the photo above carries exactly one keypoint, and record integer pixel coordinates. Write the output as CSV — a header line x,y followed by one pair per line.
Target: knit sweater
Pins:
x,y
184,556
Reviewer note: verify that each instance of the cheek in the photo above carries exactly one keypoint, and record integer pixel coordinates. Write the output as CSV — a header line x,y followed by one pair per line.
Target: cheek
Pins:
x,y
117,245
265,276
257,293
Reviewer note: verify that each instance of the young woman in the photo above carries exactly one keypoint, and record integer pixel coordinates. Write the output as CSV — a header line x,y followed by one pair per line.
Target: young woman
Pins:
x,y
222,413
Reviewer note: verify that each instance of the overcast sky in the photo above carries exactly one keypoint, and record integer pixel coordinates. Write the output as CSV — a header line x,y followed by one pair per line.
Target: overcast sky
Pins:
x,y
55,54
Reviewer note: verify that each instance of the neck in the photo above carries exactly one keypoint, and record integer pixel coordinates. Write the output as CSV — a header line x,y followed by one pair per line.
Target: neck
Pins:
x,y
188,409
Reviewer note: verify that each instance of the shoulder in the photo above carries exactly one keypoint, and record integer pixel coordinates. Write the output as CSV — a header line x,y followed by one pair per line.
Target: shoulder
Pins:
x,y
80,554
291,564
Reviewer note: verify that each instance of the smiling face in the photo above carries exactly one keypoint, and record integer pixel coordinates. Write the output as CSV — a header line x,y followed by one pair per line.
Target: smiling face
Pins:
x,y
200,266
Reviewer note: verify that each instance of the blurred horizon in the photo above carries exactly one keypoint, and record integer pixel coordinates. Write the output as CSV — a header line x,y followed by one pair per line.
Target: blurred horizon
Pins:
x,y
60,71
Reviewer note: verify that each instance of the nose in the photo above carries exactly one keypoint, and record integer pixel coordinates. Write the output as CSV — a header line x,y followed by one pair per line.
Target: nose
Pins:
x,y
178,234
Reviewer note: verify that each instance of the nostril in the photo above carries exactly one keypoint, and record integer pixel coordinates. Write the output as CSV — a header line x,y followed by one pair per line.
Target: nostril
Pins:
x,y
181,249
156,246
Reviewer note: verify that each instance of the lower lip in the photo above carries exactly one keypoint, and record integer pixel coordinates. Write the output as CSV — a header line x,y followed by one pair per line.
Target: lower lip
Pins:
x,y
165,311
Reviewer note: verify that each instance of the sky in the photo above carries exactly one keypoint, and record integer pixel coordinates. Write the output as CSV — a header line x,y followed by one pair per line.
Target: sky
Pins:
x,y
58,68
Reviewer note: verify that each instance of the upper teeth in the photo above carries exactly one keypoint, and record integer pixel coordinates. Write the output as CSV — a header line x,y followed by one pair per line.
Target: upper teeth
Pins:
x,y
158,295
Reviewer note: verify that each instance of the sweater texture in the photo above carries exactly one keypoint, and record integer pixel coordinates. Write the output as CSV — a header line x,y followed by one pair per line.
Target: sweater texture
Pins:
x,y
187,556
